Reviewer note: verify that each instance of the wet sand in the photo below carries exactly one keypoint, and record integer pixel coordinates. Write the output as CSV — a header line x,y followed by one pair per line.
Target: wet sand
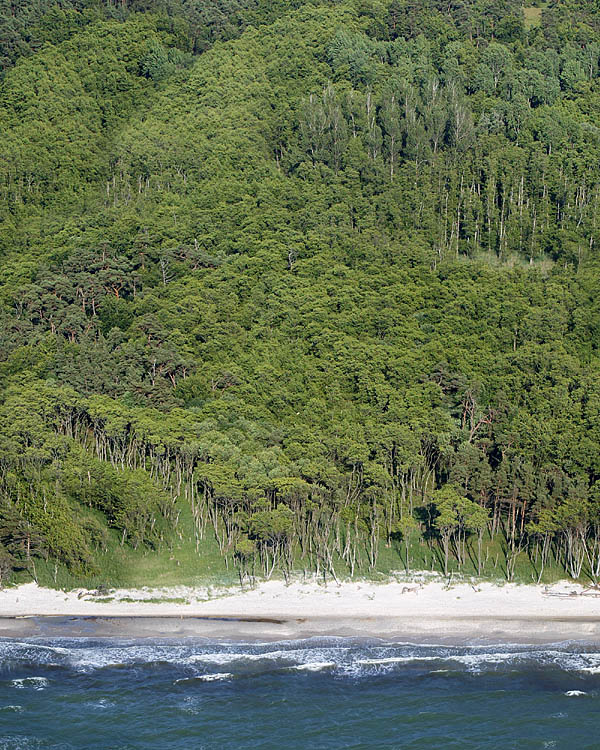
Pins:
x,y
435,630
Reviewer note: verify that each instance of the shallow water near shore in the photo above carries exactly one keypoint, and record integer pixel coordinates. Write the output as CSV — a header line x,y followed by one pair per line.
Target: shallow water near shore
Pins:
x,y
314,693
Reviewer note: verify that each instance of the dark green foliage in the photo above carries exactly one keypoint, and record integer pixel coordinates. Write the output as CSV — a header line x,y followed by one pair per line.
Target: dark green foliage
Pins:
x,y
331,284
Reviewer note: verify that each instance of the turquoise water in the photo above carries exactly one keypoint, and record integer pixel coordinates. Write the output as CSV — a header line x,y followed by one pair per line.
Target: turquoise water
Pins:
x,y
316,693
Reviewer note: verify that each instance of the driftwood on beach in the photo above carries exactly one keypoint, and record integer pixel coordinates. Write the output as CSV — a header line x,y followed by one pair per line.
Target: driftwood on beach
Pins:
x,y
593,591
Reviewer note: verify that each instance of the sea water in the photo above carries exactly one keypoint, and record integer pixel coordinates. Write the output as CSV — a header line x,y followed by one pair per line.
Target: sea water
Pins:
x,y
317,693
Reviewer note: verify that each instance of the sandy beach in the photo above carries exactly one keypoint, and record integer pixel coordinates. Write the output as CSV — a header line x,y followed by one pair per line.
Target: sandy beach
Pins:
x,y
274,610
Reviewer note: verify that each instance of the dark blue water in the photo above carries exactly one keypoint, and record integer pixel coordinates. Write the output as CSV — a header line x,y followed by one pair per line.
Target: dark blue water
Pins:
x,y
325,693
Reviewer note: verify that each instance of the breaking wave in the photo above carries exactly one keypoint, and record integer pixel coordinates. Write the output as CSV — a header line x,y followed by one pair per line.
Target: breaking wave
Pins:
x,y
340,657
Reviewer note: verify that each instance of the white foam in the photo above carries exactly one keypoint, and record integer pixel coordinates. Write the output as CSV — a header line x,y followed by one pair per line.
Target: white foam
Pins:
x,y
19,743
102,703
315,666
205,678
223,658
479,662
569,661
215,677
575,693
306,657
98,657
16,709
40,646
399,659
37,683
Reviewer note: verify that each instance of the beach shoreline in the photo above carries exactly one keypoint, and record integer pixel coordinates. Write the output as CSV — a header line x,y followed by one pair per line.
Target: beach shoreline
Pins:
x,y
396,610
434,631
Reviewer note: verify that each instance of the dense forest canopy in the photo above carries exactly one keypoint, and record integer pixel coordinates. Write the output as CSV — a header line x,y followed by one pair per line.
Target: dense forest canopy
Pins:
x,y
323,274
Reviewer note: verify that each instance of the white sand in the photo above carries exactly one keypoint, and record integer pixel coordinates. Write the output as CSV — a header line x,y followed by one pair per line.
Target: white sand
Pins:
x,y
274,599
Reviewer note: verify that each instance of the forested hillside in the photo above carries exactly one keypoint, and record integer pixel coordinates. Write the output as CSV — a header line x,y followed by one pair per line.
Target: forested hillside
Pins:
x,y
322,277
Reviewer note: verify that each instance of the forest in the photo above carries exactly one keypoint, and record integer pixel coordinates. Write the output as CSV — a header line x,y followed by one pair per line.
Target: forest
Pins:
x,y
312,286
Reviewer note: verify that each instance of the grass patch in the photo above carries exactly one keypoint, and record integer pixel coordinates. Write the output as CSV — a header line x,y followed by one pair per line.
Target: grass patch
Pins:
x,y
151,600
533,17
176,563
